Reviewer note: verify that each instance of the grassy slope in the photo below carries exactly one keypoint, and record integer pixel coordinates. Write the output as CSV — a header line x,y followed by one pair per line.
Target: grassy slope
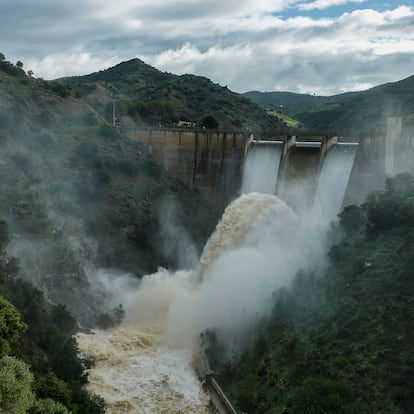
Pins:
x,y
290,123
342,342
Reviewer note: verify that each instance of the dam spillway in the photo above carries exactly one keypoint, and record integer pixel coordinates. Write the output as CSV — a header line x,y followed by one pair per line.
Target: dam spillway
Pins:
x,y
333,180
309,177
261,167
299,174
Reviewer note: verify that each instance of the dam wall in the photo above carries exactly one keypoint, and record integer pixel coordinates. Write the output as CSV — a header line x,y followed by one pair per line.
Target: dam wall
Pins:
x,y
212,161
208,161
382,153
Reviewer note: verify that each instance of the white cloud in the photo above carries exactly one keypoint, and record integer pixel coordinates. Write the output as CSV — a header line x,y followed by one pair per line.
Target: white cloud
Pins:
x,y
64,64
244,44
300,54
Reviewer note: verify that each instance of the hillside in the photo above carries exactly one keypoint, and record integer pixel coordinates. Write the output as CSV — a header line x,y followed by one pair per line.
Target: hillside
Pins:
x,y
287,102
82,206
341,341
78,196
350,111
40,371
151,97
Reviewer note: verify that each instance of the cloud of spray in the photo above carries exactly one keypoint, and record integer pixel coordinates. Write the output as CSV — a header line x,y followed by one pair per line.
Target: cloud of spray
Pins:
x,y
46,195
177,244
60,258
64,269
257,247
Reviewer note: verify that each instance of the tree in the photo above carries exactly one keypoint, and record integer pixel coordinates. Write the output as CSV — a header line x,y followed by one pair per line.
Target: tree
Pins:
x,y
50,387
63,318
4,232
2,57
19,64
393,208
210,122
11,325
48,406
16,396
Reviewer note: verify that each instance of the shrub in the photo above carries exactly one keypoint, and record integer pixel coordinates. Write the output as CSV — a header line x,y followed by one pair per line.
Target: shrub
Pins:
x,y
210,122
16,396
48,406
11,325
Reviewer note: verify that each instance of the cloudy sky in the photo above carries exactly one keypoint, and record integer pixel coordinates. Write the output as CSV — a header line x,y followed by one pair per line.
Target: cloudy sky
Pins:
x,y
308,46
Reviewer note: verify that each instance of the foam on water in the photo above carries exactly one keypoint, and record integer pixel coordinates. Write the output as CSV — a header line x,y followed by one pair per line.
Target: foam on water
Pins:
x,y
134,373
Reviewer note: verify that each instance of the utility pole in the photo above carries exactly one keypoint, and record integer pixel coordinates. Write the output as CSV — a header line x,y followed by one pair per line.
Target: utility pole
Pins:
x,y
113,113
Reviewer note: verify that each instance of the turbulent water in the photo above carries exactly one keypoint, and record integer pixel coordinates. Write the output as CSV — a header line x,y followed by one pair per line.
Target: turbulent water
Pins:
x,y
247,222
145,365
136,370
135,373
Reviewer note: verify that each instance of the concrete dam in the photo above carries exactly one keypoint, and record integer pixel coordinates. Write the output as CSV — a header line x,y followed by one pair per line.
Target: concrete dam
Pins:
x,y
208,161
214,162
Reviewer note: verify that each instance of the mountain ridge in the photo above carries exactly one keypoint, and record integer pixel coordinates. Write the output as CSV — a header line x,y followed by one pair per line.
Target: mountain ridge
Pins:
x,y
350,110
151,97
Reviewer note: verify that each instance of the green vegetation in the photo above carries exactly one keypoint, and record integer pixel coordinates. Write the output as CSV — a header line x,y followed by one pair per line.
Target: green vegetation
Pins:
x,y
286,102
11,326
354,111
151,97
341,342
39,368
287,120
209,122
8,67
16,396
